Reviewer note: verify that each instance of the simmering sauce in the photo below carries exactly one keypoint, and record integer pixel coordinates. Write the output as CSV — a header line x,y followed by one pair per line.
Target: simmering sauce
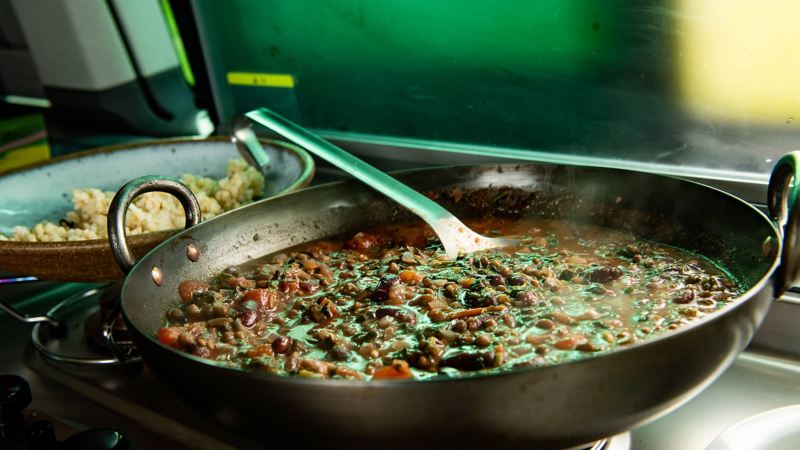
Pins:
x,y
386,304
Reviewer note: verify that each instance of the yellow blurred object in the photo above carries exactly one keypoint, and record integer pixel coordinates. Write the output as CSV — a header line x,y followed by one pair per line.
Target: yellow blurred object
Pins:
x,y
24,156
739,59
23,140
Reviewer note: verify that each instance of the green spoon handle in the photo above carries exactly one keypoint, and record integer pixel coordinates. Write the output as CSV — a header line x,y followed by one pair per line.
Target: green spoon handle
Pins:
x,y
430,211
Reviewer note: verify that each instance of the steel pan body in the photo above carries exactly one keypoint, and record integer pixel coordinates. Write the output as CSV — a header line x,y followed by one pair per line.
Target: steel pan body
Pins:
x,y
547,407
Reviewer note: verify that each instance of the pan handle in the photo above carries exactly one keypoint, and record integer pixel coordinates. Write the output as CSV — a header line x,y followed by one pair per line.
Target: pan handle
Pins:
x,y
118,210
782,194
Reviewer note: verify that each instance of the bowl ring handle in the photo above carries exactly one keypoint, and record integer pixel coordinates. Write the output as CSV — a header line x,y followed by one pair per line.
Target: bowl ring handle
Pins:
x,y
118,211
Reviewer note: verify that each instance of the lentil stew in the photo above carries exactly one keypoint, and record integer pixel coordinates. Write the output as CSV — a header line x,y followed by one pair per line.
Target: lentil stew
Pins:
x,y
385,304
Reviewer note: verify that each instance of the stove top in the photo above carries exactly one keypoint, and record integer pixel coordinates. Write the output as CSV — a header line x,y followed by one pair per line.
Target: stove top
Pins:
x,y
128,398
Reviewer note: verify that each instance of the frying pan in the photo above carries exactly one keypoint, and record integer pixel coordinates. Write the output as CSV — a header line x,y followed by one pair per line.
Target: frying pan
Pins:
x,y
43,192
546,407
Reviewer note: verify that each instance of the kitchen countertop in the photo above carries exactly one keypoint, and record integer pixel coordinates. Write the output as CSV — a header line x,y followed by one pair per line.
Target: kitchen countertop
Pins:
x,y
756,382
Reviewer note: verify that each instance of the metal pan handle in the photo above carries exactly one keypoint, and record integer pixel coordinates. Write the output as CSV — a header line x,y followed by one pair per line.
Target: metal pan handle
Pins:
x,y
118,210
784,184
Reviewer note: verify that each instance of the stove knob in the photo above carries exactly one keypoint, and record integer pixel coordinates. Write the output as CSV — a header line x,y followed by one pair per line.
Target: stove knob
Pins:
x,y
15,396
96,440
41,436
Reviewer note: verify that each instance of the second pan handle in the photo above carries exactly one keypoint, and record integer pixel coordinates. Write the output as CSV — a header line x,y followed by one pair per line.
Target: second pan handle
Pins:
x,y
782,195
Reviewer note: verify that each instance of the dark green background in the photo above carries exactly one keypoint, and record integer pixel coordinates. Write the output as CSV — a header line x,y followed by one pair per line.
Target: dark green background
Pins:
x,y
584,77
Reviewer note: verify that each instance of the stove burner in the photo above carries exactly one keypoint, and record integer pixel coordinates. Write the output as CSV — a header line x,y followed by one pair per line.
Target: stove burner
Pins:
x,y
90,336
98,324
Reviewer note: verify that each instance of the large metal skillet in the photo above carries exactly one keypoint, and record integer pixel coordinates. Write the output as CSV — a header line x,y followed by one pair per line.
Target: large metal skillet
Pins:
x,y
550,407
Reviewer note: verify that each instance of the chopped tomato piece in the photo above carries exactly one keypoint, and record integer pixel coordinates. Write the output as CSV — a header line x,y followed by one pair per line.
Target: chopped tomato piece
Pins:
x,y
260,350
266,298
289,286
364,241
398,370
187,289
169,336
466,313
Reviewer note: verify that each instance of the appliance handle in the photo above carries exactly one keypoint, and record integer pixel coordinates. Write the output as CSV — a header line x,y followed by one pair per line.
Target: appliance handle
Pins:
x,y
782,194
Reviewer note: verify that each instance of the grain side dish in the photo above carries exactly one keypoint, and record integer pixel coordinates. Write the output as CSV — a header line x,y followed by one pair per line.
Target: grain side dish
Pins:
x,y
153,211
385,304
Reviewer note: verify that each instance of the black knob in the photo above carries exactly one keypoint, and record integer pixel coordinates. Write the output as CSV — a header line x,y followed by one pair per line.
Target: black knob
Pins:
x,y
15,396
41,436
96,440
